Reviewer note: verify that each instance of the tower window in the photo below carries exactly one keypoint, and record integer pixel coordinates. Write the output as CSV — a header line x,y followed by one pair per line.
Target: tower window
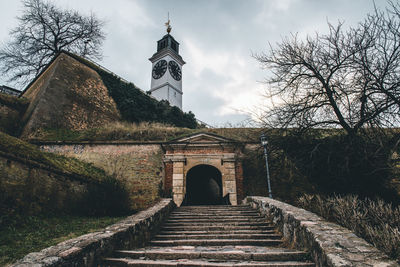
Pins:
x,y
173,46
162,44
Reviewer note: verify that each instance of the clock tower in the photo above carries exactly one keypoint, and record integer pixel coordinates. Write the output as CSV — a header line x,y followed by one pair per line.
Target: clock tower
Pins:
x,y
166,74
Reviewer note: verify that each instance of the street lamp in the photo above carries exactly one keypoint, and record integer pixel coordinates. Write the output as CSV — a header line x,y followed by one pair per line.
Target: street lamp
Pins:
x,y
264,143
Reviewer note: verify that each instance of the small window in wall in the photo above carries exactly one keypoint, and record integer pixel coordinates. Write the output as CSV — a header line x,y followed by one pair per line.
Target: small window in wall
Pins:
x,y
173,46
162,44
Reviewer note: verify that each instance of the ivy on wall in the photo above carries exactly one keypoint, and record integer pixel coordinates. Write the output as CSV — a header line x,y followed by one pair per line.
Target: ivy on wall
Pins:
x,y
136,106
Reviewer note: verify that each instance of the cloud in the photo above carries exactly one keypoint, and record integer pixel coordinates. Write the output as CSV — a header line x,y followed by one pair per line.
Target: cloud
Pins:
x,y
216,37
223,75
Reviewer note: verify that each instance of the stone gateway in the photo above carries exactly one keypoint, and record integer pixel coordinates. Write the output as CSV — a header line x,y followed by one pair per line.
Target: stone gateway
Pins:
x,y
203,169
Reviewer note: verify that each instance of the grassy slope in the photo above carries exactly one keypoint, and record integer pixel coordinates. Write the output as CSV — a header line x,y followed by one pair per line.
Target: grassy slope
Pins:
x,y
34,233
122,131
21,234
24,150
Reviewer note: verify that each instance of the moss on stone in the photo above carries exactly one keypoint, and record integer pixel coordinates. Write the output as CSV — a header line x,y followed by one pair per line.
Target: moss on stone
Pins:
x,y
18,103
24,150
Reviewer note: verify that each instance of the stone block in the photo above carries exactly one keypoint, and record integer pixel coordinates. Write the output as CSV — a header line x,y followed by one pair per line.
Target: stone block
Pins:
x,y
177,182
230,186
178,198
233,199
178,189
177,176
229,177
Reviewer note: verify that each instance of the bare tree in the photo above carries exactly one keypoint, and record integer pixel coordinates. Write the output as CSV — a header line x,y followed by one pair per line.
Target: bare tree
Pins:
x,y
43,31
345,78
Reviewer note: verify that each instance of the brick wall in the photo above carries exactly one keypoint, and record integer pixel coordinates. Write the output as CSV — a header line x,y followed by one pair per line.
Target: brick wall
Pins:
x,y
239,181
138,166
169,170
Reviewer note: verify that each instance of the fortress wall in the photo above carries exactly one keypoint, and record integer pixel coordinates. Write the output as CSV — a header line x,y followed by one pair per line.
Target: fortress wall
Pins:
x,y
139,166
9,119
33,187
70,95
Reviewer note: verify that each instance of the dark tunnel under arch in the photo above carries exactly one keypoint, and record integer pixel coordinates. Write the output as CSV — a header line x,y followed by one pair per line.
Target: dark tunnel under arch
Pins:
x,y
203,186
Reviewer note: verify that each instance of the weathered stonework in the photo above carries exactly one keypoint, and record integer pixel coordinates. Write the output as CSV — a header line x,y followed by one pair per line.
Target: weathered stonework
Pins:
x,y
9,118
149,168
89,249
70,95
330,245
36,187
204,149
138,166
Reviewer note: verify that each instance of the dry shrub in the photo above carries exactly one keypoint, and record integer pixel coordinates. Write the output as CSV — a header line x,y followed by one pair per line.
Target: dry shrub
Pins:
x,y
136,131
144,131
374,220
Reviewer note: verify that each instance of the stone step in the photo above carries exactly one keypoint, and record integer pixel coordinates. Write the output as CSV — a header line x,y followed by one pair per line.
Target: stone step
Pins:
x,y
236,213
218,236
215,227
205,263
223,253
212,212
243,211
210,217
211,223
217,232
214,236
217,242
223,220
215,207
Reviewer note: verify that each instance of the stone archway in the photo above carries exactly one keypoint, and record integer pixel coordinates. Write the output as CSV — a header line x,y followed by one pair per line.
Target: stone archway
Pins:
x,y
203,186
219,153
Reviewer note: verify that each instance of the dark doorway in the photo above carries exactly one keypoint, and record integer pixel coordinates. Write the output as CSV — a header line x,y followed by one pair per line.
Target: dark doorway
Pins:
x,y
203,186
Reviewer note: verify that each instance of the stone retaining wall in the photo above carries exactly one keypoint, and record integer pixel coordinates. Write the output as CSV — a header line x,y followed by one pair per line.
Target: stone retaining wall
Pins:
x,y
89,249
34,187
9,118
330,245
138,166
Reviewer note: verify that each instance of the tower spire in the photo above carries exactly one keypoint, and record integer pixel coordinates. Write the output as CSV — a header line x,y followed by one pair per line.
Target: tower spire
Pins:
x,y
168,25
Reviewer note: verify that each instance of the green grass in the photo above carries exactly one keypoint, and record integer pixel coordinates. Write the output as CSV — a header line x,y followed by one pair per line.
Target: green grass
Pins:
x,y
34,233
24,150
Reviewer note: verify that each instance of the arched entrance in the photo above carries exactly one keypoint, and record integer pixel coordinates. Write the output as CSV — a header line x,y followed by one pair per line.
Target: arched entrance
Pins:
x,y
203,186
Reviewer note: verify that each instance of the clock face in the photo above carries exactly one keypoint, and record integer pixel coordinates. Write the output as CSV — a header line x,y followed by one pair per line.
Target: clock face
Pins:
x,y
159,69
175,70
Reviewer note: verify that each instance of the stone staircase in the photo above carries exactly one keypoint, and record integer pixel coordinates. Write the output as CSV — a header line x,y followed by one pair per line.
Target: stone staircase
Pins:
x,y
213,236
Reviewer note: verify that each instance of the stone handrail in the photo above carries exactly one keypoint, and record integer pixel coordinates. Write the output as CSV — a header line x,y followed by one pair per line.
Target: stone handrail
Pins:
x,y
329,244
89,249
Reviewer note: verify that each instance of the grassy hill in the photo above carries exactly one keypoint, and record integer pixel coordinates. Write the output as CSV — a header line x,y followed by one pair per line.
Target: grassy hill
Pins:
x,y
23,150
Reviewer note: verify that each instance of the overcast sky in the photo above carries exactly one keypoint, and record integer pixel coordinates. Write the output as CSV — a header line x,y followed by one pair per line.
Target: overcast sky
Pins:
x,y
221,80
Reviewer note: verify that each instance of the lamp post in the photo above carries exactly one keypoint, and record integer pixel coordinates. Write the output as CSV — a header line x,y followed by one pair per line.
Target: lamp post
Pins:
x,y
264,143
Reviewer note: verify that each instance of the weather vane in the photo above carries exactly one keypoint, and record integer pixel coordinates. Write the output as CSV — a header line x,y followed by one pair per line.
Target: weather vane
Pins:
x,y
167,24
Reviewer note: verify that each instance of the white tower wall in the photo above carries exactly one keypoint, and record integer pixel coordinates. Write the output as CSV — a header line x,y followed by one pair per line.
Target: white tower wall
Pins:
x,y
166,87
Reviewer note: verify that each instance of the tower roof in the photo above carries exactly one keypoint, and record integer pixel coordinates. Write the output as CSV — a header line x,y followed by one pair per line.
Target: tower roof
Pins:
x,y
167,45
168,42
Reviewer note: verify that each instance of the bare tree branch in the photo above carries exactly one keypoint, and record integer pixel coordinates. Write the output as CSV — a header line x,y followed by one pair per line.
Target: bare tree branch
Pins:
x,y
43,31
343,78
